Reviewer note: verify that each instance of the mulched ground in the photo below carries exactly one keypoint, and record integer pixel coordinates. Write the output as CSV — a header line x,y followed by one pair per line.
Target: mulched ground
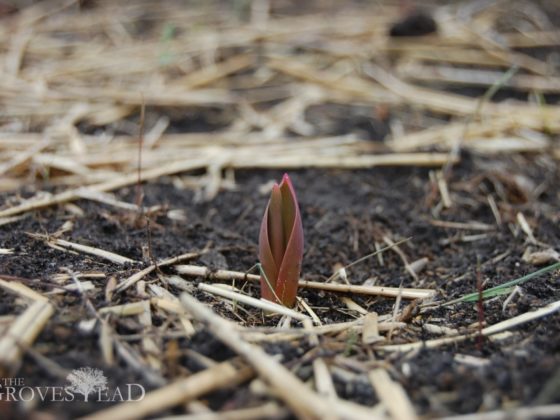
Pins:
x,y
346,213
343,214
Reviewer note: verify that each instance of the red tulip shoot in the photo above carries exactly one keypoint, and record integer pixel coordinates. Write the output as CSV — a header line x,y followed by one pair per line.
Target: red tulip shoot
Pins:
x,y
281,245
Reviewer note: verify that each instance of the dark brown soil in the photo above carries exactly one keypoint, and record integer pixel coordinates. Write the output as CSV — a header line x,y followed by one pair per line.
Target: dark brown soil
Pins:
x,y
344,212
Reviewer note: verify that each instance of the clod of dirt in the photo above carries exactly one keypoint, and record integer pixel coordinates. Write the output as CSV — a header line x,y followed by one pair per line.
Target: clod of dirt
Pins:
x,y
416,23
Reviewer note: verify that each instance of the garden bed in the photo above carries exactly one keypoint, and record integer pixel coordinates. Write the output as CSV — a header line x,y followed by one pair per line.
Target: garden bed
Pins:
x,y
138,148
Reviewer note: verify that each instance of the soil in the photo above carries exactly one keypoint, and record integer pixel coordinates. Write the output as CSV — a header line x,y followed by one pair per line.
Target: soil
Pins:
x,y
344,213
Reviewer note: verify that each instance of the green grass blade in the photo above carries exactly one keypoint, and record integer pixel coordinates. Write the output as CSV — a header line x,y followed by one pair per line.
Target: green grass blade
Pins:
x,y
505,288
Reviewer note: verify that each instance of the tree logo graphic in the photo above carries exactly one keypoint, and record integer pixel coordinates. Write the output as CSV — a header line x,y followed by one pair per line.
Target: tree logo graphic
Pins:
x,y
86,380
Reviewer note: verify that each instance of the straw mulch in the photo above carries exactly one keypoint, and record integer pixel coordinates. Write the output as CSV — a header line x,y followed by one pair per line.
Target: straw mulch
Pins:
x,y
98,96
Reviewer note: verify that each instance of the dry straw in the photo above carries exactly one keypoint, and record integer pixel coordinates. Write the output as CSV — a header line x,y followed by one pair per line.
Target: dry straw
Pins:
x,y
73,78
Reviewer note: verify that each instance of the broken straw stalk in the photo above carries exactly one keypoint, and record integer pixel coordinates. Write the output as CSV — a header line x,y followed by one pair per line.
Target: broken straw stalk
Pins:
x,y
227,275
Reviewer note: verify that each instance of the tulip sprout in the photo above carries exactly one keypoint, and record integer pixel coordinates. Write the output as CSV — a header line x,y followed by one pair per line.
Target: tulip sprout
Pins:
x,y
281,245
